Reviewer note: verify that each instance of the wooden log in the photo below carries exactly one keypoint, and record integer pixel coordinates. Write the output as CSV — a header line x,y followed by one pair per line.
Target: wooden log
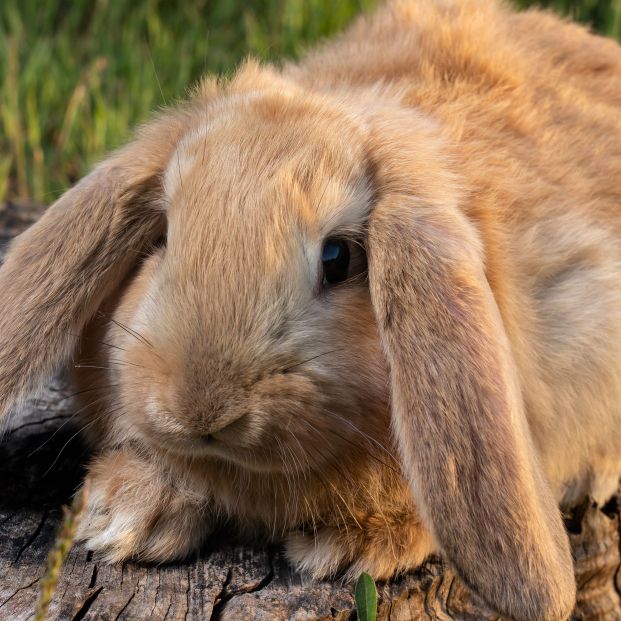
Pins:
x,y
43,462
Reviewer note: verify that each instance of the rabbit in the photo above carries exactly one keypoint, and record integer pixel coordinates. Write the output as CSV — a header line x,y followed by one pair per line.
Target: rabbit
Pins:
x,y
367,304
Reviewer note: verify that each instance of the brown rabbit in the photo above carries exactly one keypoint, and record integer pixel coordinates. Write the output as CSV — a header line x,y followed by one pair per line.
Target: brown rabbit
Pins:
x,y
383,316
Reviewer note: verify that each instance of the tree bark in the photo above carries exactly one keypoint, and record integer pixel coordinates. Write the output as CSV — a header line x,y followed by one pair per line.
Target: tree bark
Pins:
x,y
42,463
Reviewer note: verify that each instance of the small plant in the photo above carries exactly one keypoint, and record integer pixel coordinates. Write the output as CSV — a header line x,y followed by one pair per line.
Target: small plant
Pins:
x,y
59,553
365,594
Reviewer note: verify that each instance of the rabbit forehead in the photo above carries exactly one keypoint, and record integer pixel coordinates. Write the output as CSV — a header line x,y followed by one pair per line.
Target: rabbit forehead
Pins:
x,y
271,162
250,200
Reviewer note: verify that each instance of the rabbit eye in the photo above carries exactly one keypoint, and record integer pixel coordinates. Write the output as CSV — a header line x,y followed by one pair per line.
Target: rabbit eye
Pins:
x,y
335,258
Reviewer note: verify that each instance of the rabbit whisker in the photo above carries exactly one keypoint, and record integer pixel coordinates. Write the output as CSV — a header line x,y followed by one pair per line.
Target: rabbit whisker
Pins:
x,y
127,363
81,392
371,454
346,505
326,482
64,446
127,329
362,433
335,463
105,412
100,342
69,419
298,364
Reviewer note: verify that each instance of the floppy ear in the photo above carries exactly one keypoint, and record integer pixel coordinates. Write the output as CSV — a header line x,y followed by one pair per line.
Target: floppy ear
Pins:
x,y
456,405
57,273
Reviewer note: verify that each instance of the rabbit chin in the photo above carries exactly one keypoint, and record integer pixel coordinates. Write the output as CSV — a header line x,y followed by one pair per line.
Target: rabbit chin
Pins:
x,y
258,459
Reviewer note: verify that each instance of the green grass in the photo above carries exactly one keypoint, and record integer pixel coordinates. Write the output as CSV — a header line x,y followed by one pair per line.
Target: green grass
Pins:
x,y
75,77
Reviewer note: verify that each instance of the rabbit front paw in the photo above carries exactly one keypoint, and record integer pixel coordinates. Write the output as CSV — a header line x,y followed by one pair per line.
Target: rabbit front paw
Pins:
x,y
379,547
132,511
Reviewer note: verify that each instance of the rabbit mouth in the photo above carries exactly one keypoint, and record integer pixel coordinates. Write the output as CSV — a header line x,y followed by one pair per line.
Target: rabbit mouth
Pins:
x,y
231,445
231,441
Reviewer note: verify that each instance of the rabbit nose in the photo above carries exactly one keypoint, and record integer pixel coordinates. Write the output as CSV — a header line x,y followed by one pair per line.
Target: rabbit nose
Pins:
x,y
215,424
206,438
216,409
212,398
216,430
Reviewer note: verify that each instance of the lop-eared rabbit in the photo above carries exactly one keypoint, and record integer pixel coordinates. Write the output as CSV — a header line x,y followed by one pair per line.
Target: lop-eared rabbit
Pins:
x,y
368,304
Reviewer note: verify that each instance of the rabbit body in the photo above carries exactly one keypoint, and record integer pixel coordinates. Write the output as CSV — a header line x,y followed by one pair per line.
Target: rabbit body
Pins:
x,y
531,109
451,399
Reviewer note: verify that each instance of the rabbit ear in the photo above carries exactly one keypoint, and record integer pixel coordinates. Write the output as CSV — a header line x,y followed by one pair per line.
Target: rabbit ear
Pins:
x,y
456,406
57,273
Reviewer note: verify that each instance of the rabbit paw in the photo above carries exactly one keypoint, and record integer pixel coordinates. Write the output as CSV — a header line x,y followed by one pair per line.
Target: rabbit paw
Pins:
x,y
133,511
378,547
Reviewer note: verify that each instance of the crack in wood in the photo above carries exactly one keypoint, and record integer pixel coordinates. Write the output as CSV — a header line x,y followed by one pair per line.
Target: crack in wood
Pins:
x,y
224,597
35,423
129,601
167,611
22,588
187,596
157,592
219,599
88,602
32,537
93,579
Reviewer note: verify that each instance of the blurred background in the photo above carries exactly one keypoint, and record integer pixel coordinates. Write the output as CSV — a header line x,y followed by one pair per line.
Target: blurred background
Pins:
x,y
76,76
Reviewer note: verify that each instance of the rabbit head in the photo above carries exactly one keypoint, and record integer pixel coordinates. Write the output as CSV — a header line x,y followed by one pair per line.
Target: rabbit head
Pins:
x,y
317,266
247,350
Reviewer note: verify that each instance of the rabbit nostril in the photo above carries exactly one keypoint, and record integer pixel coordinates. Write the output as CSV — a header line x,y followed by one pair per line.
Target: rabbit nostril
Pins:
x,y
218,432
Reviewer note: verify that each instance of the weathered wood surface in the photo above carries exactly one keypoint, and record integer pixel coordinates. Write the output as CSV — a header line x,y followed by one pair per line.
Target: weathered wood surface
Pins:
x,y
42,462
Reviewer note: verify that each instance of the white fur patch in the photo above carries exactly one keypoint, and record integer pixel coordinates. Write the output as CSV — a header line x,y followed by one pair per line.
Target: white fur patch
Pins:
x,y
121,526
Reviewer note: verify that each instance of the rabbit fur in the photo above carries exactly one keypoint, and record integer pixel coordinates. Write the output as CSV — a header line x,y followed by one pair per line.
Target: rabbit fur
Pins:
x,y
450,397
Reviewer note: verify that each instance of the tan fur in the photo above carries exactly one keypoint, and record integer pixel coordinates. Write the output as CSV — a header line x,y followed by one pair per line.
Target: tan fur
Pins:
x,y
476,153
